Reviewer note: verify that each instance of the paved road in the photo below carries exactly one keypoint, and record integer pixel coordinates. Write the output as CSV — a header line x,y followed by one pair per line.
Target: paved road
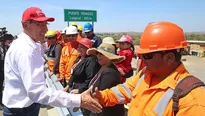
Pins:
x,y
196,66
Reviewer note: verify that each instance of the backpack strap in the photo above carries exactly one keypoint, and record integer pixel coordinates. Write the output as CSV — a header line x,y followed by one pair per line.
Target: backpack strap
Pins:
x,y
185,86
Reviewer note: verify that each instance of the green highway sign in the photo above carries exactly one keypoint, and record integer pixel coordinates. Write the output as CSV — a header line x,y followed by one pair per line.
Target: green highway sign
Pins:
x,y
80,15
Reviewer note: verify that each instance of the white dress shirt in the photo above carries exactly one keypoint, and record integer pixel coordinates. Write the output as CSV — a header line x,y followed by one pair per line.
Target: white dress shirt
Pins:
x,y
24,78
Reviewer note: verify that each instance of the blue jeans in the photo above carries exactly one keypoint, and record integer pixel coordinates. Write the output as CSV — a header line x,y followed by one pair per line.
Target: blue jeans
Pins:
x,y
32,110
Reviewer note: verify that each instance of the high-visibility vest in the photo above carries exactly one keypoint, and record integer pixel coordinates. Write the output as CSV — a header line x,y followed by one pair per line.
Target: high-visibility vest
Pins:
x,y
161,106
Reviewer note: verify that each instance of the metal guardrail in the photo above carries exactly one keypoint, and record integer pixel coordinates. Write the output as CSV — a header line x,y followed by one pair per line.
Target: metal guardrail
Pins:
x,y
51,83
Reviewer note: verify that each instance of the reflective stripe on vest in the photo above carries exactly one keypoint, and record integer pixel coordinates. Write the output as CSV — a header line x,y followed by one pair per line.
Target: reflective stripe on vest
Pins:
x,y
163,102
139,81
120,97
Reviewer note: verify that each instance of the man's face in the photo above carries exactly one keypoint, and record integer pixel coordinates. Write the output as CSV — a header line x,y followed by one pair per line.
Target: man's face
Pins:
x,y
88,34
155,63
52,40
36,30
70,38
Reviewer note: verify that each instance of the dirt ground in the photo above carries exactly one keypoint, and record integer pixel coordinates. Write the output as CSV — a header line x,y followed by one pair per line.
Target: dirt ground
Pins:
x,y
196,66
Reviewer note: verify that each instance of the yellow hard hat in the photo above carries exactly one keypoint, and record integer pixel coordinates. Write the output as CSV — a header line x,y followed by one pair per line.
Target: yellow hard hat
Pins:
x,y
50,33
80,28
74,23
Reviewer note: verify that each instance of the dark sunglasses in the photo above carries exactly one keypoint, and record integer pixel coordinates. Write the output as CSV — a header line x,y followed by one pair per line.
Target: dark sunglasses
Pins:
x,y
50,38
87,32
148,56
74,35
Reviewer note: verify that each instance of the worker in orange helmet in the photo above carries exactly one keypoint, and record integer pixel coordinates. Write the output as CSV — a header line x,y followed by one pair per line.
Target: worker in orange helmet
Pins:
x,y
54,51
164,87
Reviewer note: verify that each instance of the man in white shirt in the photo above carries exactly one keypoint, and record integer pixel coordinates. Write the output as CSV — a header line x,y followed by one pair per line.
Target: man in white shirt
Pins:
x,y
25,85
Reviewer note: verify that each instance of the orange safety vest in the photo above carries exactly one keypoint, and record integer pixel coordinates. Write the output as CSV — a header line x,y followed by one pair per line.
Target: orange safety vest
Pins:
x,y
68,56
151,97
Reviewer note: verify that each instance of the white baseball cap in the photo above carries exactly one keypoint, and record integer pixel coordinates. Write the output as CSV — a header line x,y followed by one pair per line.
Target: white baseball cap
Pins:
x,y
71,30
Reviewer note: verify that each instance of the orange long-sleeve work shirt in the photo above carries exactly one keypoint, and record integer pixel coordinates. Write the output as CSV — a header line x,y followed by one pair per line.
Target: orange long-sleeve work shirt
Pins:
x,y
149,96
68,56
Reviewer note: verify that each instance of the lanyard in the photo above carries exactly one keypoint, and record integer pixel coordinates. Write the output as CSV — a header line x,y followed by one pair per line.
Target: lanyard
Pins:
x,y
76,64
95,78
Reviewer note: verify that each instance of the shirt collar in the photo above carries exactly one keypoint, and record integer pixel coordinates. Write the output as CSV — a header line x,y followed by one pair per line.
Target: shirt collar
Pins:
x,y
170,81
30,41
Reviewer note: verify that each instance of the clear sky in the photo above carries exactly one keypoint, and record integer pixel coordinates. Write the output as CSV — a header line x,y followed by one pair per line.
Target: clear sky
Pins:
x,y
113,15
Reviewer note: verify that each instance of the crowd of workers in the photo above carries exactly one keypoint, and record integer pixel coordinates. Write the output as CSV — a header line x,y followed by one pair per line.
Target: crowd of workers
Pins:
x,y
70,58
97,70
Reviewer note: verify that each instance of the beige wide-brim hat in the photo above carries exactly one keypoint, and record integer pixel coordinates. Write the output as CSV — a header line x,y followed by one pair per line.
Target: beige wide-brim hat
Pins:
x,y
108,40
107,50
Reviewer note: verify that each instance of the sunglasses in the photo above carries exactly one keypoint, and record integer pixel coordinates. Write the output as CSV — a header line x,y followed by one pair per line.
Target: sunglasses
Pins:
x,y
87,32
148,56
74,35
50,38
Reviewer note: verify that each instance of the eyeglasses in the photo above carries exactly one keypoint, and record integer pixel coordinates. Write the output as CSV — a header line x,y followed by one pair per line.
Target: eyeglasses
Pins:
x,y
73,35
41,24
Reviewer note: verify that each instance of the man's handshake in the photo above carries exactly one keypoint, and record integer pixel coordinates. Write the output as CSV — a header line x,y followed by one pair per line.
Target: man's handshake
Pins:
x,y
91,103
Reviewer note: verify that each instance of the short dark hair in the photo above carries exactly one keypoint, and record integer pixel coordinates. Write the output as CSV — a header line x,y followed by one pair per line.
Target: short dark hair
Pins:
x,y
7,37
176,52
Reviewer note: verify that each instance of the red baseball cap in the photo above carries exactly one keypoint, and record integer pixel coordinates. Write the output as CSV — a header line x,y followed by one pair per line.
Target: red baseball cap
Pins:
x,y
36,14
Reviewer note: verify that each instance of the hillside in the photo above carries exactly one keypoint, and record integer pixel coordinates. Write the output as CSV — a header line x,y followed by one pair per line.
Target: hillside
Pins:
x,y
136,36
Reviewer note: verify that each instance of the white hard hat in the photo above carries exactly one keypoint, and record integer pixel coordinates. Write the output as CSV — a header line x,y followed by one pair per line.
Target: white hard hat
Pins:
x,y
71,30
108,40
63,31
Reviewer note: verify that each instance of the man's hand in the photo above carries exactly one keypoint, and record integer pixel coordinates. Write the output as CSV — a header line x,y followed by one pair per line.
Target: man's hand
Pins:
x,y
66,88
75,91
89,103
96,95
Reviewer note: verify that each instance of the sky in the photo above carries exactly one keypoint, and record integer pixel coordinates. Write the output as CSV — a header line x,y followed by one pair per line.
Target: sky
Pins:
x,y
112,15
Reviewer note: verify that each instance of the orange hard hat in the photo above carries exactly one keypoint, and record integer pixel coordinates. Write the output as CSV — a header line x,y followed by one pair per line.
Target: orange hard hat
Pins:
x,y
161,36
